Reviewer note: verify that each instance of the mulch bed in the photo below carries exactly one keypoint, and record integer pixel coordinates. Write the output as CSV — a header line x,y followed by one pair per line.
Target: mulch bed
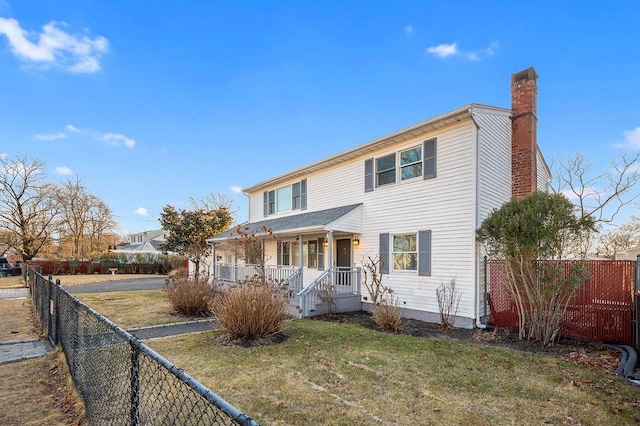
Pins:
x,y
591,355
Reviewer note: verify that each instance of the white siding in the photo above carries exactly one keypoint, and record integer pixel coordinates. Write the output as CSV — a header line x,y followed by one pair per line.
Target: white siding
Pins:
x,y
543,174
494,161
445,205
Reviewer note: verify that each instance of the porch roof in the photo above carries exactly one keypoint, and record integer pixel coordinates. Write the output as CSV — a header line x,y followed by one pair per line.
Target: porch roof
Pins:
x,y
344,218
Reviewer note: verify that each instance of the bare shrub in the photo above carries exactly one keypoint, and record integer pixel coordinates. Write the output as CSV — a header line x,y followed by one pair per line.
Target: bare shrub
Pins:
x,y
327,294
188,295
387,315
448,303
371,267
251,310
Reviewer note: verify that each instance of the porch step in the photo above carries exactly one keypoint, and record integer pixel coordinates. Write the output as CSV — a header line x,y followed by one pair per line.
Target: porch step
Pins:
x,y
293,308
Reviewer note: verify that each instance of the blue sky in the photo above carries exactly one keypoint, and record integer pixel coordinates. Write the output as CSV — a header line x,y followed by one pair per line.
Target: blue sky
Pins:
x,y
156,102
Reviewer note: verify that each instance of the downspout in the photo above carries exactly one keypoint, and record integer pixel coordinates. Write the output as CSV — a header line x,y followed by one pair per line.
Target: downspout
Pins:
x,y
476,252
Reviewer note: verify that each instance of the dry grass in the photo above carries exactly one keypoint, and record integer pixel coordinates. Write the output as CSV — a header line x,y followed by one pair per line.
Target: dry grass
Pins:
x,y
343,374
18,320
130,309
38,392
96,278
12,282
250,312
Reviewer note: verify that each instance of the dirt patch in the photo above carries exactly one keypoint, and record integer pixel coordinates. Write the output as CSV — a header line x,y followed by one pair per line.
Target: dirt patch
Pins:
x,y
225,340
591,355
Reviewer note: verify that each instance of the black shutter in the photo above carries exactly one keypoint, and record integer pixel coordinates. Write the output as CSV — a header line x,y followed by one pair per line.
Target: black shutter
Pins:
x,y
384,253
303,194
368,175
424,253
321,254
265,209
429,158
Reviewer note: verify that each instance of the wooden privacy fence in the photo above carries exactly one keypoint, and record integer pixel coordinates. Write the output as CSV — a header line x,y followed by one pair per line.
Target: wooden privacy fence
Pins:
x,y
604,309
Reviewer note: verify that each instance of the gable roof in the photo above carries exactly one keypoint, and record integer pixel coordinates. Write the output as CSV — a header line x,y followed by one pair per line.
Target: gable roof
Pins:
x,y
320,221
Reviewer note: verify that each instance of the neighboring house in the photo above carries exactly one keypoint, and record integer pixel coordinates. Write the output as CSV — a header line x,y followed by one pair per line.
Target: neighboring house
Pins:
x,y
413,198
147,242
628,254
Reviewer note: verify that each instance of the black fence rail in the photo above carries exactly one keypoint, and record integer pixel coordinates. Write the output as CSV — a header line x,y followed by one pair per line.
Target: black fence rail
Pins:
x,y
120,379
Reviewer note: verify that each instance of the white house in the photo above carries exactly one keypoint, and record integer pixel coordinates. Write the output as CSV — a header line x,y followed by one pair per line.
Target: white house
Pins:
x,y
413,198
146,242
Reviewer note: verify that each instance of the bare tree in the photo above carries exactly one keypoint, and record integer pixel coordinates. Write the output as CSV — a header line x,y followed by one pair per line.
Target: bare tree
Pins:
x,y
599,195
27,205
623,237
83,220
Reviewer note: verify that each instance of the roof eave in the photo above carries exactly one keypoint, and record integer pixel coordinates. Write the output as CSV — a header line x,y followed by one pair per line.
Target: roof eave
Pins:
x,y
399,136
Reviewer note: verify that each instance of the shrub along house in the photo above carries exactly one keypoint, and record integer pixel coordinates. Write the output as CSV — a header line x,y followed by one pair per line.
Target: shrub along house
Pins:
x,y
413,198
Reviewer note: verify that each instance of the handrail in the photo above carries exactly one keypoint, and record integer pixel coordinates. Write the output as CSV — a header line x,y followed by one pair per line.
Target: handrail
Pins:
x,y
311,287
294,281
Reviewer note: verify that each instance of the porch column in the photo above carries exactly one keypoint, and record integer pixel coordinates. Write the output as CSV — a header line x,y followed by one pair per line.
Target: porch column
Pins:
x,y
213,259
301,254
330,256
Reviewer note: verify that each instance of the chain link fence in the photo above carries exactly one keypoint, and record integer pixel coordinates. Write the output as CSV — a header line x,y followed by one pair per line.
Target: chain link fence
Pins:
x,y
120,379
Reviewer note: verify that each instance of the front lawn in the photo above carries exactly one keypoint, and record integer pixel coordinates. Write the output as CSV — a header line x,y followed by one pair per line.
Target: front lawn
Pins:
x,y
344,374
133,309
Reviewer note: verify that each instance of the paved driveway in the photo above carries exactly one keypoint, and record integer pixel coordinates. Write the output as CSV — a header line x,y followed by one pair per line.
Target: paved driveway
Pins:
x,y
117,285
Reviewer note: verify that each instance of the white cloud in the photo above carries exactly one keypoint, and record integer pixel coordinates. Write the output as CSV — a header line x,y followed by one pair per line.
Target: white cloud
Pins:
x,y
51,136
446,50
443,50
631,140
115,139
236,189
63,170
141,211
55,47
408,31
74,129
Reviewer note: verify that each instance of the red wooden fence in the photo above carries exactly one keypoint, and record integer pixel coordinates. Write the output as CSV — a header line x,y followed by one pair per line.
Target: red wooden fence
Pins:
x,y
602,309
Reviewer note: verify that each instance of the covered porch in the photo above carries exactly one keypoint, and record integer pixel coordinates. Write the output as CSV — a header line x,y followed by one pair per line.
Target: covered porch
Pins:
x,y
311,254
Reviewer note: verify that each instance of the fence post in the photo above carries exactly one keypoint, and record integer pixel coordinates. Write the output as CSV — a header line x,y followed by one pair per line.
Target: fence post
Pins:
x,y
51,309
135,384
636,296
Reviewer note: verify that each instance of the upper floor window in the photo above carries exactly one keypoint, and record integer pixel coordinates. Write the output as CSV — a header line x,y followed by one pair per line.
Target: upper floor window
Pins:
x,y
286,198
386,170
415,162
411,163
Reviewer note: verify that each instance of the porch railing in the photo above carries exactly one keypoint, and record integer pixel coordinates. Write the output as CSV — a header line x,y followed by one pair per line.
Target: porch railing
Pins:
x,y
327,286
234,272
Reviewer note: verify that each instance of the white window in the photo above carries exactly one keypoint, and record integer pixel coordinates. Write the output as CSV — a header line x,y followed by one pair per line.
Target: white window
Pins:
x,y
386,170
405,252
286,198
411,163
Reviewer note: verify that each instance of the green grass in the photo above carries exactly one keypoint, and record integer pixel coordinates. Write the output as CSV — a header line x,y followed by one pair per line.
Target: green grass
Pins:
x,y
130,309
344,374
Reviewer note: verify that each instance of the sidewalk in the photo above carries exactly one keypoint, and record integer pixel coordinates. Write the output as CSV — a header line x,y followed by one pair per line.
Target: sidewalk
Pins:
x,y
18,350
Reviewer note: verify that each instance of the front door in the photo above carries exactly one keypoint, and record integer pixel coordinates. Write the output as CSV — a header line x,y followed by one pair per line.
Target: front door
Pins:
x,y
343,262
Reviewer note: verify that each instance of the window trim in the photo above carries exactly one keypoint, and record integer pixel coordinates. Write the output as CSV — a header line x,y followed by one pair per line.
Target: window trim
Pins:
x,y
392,252
428,161
424,250
297,196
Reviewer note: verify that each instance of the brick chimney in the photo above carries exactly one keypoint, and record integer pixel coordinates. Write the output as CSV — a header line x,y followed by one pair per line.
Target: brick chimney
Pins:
x,y
524,145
